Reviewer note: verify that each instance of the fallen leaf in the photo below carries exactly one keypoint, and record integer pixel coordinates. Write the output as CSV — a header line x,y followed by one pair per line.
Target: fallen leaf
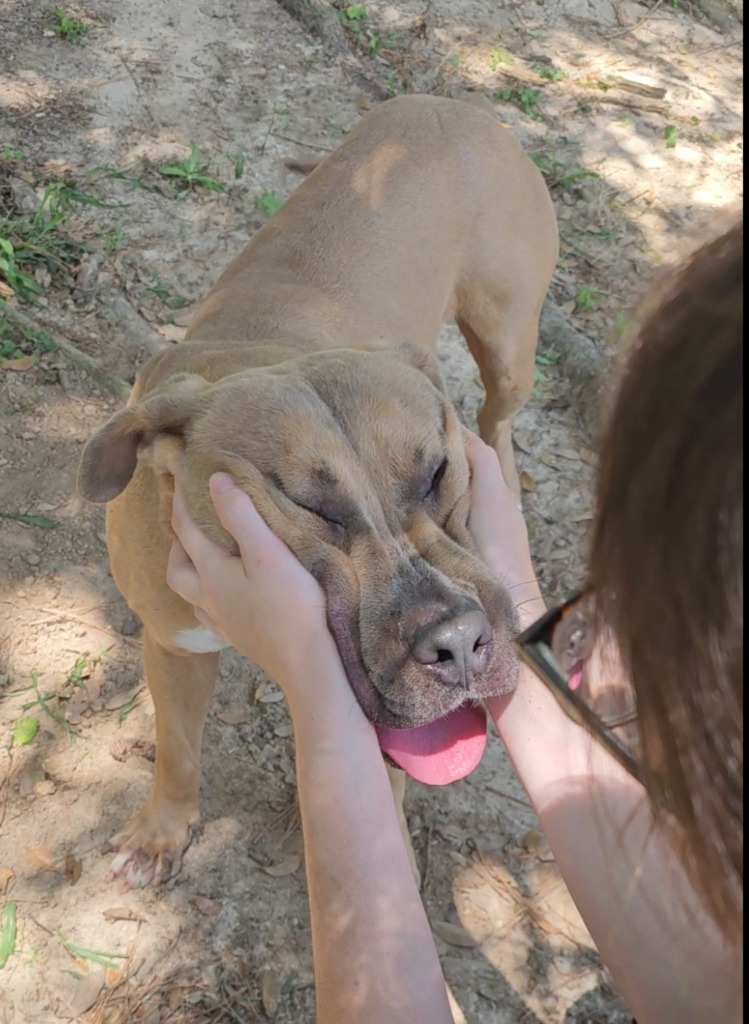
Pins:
x,y
548,460
122,914
454,934
282,731
25,730
260,690
43,858
73,869
271,698
206,906
19,364
6,877
234,717
527,482
86,991
171,332
7,932
270,991
119,700
284,867
567,453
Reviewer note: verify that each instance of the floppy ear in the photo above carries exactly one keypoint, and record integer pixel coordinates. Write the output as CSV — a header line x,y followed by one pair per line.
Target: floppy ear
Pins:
x,y
111,455
423,359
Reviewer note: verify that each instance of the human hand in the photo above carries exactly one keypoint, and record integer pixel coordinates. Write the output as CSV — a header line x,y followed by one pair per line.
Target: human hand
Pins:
x,y
264,602
498,528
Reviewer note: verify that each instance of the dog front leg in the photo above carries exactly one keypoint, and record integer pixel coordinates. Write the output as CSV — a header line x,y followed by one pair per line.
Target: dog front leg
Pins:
x,y
150,848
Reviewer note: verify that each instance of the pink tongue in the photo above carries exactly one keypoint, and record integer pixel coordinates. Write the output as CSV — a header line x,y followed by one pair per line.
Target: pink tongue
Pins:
x,y
442,751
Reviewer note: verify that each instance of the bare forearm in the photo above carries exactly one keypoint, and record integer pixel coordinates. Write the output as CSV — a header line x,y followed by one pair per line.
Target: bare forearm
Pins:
x,y
664,953
374,955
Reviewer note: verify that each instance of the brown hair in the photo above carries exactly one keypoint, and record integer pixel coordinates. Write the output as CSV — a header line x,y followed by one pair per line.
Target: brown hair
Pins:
x,y
667,558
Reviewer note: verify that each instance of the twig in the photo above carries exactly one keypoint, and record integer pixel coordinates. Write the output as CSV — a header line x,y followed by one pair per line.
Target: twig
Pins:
x,y
111,382
631,28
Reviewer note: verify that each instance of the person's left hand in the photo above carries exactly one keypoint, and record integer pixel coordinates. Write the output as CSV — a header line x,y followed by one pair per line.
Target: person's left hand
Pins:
x,y
263,602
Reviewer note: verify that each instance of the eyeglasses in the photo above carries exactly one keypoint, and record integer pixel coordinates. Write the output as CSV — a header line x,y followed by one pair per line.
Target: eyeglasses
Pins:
x,y
556,647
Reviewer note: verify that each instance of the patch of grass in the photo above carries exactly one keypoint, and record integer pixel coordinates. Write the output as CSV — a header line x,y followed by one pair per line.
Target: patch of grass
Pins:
x,y
268,202
172,300
354,18
499,55
44,701
36,240
67,26
586,300
670,135
18,342
557,173
549,72
525,97
191,173
544,359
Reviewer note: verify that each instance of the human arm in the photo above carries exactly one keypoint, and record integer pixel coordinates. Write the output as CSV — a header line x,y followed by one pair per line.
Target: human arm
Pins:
x,y
374,955
666,956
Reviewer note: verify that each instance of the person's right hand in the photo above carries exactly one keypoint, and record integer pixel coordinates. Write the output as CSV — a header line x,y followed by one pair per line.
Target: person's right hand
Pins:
x,y
497,525
264,602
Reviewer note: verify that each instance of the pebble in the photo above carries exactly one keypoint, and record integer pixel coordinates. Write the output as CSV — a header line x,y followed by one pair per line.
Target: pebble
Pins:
x,y
33,559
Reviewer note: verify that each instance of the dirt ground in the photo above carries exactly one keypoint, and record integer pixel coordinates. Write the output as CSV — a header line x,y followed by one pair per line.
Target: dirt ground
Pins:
x,y
633,112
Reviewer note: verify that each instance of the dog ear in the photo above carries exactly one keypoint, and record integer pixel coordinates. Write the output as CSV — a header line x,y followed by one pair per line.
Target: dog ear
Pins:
x,y
111,455
423,359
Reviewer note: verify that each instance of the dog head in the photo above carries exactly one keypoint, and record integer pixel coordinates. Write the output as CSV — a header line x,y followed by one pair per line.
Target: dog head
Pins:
x,y
356,460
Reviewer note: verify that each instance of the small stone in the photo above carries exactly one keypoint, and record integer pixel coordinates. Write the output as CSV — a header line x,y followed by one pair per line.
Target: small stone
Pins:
x,y
33,559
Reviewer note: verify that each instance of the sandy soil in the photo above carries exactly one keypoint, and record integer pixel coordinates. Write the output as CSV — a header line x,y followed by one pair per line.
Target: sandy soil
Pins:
x,y
634,113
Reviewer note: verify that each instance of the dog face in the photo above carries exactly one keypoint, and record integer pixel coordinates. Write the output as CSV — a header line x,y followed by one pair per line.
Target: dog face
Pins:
x,y
356,460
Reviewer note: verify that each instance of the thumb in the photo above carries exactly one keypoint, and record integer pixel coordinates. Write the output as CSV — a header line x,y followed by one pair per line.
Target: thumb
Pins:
x,y
237,513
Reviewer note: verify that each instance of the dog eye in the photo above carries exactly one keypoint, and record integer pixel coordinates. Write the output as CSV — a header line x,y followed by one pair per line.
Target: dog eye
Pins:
x,y
437,478
335,523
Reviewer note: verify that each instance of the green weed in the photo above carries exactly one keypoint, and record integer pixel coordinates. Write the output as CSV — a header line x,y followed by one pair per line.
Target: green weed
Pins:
x,y
586,300
559,174
549,72
669,134
191,173
268,202
66,26
525,97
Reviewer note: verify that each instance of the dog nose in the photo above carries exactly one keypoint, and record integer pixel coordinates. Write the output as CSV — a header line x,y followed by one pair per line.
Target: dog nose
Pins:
x,y
455,650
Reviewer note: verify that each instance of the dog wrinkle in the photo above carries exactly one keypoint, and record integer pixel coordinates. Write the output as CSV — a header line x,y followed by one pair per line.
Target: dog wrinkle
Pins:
x,y
370,180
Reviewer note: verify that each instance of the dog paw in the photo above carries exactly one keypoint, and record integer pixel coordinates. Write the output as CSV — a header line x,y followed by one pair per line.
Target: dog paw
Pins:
x,y
150,850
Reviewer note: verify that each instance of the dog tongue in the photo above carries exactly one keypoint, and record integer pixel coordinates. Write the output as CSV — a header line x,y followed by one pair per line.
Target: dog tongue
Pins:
x,y
442,751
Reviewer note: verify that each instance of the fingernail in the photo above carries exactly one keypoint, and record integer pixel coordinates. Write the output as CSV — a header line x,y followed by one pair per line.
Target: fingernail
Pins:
x,y
220,483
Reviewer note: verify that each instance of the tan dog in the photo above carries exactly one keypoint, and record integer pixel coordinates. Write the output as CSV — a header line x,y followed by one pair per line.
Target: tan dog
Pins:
x,y
307,374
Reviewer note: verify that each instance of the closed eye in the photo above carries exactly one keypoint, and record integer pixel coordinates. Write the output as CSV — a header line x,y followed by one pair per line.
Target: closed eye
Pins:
x,y
320,515
436,479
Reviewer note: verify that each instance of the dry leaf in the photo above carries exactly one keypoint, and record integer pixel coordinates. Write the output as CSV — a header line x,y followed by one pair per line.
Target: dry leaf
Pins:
x,y
527,482
122,914
42,857
284,867
19,364
171,332
206,906
119,700
73,869
87,990
282,731
260,690
271,698
234,717
6,877
271,992
454,934
567,453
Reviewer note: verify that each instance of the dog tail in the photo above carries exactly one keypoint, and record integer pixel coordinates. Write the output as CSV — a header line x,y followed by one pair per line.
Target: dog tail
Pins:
x,y
302,165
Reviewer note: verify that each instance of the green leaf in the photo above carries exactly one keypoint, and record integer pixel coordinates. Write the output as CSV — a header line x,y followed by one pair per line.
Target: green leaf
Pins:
x,y
104,959
41,521
7,933
25,730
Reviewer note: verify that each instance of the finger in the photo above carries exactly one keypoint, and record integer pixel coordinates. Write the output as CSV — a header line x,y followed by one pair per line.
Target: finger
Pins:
x,y
181,575
238,515
202,552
